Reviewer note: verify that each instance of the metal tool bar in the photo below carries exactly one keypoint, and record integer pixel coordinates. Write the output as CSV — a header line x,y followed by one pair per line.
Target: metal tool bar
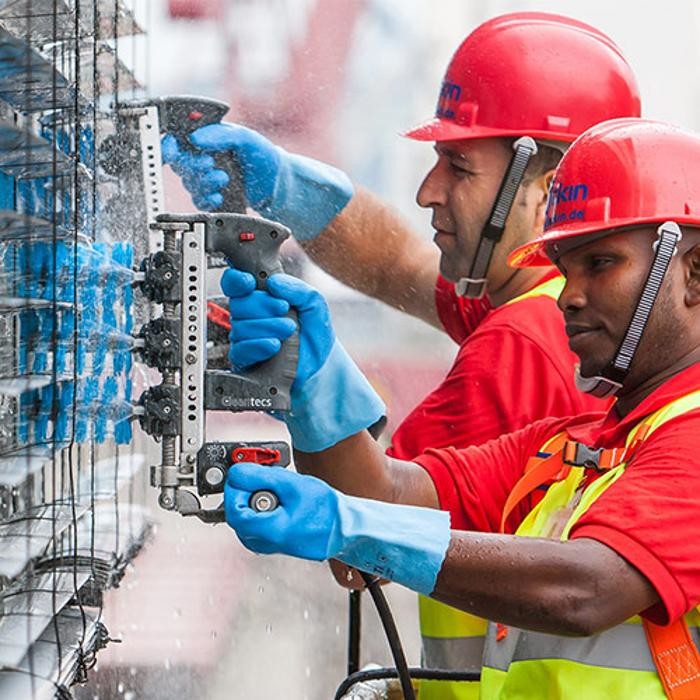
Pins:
x,y
169,446
176,409
193,340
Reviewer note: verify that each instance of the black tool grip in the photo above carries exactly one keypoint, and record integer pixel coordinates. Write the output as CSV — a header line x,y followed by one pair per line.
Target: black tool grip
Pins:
x,y
180,115
252,244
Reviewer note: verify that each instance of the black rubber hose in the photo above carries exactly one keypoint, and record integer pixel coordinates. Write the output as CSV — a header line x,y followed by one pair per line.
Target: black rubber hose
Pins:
x,y
354,631
423,674
392,634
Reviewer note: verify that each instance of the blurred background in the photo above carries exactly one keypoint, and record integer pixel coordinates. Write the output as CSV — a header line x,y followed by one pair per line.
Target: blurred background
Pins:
x,y
198,616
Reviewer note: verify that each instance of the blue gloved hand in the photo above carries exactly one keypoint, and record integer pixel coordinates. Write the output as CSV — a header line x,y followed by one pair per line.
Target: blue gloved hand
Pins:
x,y
302,193
331,398
405,544
258,320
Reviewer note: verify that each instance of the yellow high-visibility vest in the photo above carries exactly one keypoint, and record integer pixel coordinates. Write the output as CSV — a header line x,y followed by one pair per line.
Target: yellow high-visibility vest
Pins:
x,y
616,663
453,639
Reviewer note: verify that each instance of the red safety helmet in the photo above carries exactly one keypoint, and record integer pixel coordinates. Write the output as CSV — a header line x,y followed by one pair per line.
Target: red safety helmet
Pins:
x,y
535,74
620,174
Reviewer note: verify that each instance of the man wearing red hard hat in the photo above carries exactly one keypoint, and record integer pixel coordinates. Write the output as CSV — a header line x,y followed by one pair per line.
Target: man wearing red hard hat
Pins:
x,y
578,537
513,97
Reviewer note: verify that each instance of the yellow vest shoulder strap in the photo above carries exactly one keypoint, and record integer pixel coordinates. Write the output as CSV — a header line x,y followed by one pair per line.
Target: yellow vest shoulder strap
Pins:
x,y
551,288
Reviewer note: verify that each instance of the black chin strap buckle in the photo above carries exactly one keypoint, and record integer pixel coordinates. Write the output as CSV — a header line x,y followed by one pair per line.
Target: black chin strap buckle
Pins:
x,y
474,286
468,287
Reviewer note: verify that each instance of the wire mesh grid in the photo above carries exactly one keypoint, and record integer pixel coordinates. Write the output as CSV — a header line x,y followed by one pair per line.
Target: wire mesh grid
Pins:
x,y
72,485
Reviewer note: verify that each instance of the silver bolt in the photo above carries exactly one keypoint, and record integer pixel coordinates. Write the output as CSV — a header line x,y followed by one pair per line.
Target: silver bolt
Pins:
x,y
214,476
264,501
190,359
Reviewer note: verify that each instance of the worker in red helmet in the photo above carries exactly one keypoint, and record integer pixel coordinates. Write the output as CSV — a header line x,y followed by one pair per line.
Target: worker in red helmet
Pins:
x,y
514,96
579,537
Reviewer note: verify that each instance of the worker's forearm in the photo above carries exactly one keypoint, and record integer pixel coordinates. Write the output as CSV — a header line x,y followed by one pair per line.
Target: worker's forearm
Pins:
x,y
358,466
569,588
369,247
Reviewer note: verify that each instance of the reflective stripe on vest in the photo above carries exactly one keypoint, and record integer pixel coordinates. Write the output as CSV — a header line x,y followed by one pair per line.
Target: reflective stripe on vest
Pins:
x,y
452,639
616,663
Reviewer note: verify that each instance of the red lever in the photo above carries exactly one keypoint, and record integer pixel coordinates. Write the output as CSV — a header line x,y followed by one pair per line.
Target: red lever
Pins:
x,y
218,315
258,455
194,116
246,236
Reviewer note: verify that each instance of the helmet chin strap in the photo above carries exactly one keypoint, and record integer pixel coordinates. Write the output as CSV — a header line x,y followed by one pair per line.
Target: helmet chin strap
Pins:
x,y
611,379
474,286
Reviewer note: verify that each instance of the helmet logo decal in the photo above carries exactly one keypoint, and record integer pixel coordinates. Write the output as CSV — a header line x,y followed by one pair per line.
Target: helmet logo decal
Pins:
x,y
568,193
561,204
450,94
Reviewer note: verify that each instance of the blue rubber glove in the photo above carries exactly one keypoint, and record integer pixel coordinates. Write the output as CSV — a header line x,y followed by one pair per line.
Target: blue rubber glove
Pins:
x,y
258,320
302,193
405,544
331,398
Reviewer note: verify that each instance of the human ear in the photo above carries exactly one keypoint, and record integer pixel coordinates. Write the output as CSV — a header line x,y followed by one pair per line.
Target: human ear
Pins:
x,y
691,259
541,186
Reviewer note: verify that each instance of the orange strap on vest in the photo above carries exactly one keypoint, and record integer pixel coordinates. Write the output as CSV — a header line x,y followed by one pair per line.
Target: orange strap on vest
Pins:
x,y
565,454
538,471
676,658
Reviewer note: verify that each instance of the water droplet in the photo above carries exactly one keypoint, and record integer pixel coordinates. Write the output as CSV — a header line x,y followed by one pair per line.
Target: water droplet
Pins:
x,y
307,671
120,688
337,630
261,589
167,664
214,634
306,614
178,643
268,628
177,612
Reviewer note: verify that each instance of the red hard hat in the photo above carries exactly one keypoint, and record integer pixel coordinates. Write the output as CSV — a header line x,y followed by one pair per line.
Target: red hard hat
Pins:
x,y
531,74
620,174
